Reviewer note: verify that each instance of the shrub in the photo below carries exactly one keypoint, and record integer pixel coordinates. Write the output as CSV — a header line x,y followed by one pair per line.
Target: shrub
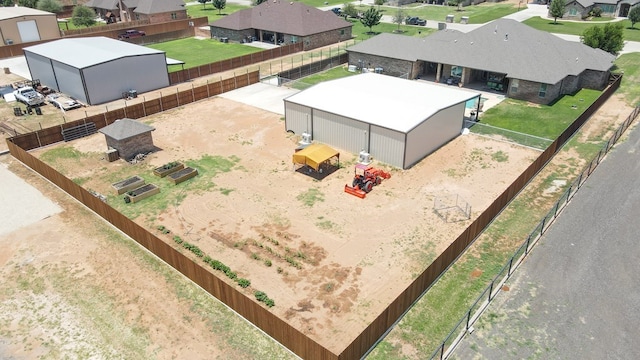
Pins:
x,y
267,262
261,296
243,282
177,239
596,12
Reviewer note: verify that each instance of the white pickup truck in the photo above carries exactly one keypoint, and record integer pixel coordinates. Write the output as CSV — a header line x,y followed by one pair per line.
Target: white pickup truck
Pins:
x,y
29,96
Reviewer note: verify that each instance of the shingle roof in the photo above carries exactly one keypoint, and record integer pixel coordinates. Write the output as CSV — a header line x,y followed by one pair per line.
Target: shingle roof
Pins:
x,y
102,4
158,6
292,18
125,128
503,46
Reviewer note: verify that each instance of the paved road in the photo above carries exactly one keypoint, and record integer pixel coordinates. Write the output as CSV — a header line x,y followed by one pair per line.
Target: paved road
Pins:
x,y
578,294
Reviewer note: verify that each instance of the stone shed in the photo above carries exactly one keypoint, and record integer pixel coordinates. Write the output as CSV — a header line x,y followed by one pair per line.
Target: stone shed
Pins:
x,y
130,137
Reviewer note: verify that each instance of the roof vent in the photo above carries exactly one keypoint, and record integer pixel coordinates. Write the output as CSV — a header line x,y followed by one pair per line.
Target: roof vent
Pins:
x,y
471,43
576,59
506,37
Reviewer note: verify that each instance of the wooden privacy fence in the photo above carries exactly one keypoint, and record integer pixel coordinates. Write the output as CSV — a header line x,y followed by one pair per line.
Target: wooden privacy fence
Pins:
x,y
53,134
275,327
230,64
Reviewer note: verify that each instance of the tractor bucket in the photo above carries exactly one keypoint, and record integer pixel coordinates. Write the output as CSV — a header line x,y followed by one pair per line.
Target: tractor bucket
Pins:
x,y
355,191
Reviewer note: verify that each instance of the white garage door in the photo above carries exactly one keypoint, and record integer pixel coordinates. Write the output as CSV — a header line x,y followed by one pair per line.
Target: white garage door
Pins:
x,y
28,31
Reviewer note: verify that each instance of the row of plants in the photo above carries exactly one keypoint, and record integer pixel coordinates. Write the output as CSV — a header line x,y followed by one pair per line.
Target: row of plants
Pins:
x,y
219,266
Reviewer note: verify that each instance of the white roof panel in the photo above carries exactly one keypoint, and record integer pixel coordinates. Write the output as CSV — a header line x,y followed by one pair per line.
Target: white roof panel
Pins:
x,y
11,12
382,100
85,52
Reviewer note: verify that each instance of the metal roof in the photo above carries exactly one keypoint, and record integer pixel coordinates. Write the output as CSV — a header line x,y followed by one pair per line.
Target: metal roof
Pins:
x,y
158,6
502,46
11,12
85,52
382,100
125,128
293,18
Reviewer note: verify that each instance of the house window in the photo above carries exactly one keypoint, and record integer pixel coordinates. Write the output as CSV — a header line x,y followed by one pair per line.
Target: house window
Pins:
x,y
294,39
456,71
543,90
607,9
514,85
137,16
341,32
573,12
174,16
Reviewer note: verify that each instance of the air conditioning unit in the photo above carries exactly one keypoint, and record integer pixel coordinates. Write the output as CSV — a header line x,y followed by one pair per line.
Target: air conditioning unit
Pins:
x,y
364,158
306,139
8,42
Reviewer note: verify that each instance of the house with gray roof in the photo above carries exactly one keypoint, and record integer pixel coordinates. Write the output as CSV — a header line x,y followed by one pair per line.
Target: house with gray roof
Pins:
x,y
130,137
581,9
283,22
155,11
504,56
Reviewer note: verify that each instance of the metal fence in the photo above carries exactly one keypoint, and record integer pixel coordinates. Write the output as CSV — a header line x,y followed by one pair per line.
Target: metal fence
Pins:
x,y
482,302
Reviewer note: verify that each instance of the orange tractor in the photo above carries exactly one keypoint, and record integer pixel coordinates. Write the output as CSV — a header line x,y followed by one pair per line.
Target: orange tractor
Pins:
x,y
364,179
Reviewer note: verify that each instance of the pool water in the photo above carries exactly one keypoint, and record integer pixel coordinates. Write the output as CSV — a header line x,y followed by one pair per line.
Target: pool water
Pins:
x,y
472,104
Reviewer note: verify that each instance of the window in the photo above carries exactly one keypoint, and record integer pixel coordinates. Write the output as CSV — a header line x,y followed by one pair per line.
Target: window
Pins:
x,y
573,12
294,39
342,32
456,71
607,9
514,85
137,16
543,90
174,16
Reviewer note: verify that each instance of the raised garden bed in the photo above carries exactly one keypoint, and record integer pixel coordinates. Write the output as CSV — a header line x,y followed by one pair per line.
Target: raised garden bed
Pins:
x,y
183,175
168,168
128,184
140,193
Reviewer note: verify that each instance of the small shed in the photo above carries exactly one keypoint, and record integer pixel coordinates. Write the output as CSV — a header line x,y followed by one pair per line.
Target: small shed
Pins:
x,y
130,137
315,156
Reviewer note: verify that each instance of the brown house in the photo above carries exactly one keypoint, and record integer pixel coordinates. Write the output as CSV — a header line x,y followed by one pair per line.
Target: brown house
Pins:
x,y
283,22
156,11
22,25
130,137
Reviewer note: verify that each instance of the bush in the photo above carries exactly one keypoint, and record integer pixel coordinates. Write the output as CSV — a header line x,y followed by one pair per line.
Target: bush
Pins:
x,y
243,282
177,239
596,12
261,296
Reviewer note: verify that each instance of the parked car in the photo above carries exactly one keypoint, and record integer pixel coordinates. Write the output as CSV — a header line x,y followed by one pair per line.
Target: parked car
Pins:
x,y
63,102
337,11
28,96
414,20
130,34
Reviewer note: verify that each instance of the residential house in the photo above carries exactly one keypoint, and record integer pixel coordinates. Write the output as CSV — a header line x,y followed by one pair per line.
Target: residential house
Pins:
x,y
581,9
283,22
156,11
504,56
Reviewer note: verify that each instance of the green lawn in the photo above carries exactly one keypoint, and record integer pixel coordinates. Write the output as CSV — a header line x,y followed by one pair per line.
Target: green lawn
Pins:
x,y
478,14
577,28
211,13
196,52
335,73
630,88
360,32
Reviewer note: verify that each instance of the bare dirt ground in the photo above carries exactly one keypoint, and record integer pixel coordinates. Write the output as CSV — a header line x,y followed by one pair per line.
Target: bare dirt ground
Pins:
x,y
354,256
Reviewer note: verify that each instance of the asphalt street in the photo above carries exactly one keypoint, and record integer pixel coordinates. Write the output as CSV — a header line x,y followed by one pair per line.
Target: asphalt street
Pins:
x,y
577,296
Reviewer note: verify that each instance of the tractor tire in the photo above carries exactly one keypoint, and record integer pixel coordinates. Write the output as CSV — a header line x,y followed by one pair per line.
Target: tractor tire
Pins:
x,y
368,186
378,180
355,183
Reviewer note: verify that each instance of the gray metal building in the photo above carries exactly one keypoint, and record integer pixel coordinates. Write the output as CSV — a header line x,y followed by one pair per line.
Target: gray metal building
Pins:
x,y
397,121
96,70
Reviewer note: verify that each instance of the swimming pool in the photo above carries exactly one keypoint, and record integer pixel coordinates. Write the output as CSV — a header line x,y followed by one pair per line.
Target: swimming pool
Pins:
x,y
472,104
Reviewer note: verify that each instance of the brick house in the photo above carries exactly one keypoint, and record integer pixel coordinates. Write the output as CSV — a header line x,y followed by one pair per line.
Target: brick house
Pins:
x,y
580,9
283,22
130,137
504,56
156,11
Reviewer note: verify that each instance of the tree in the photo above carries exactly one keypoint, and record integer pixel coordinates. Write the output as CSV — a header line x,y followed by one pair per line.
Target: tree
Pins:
x,y
203,2
350,10
607,37
371,18
556,9
7,3
52,6
378,3
257,2
398,18
83,16
219,4
634,15
457,3
28,3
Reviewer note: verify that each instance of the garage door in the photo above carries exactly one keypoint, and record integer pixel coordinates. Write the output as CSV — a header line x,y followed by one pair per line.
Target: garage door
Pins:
x,y
40,68
69,80
28,31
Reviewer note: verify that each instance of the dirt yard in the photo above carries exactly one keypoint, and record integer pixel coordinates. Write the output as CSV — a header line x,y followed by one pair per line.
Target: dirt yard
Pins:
x,y
331,261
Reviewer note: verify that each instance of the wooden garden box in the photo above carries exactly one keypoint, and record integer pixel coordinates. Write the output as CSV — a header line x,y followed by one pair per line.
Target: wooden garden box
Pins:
x,y
131,183
167,169
183,175
142,192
